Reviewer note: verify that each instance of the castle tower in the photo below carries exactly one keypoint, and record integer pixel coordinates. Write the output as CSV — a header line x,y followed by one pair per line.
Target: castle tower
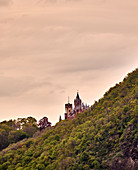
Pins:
x,y
77,104
60,118
68,109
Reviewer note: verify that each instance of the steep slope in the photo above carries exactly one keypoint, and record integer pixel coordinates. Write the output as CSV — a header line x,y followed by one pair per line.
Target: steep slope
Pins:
x,y
104,137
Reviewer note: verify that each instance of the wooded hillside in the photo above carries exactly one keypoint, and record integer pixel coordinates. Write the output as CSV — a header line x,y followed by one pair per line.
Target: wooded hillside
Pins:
x,y
104,137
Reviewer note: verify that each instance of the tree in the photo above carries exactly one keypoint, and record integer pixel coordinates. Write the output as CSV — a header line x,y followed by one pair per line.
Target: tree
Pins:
x,y
31,120
22,122
30,129
43,123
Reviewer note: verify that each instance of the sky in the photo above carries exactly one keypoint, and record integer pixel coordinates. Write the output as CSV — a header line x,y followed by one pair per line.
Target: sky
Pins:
x,y
50,49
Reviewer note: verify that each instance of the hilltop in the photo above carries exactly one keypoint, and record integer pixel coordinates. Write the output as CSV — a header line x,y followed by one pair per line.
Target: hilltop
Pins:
x,y
103,137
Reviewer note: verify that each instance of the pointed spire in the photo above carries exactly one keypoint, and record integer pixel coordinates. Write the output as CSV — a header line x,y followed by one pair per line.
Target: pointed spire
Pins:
x,y
68,99
60,118
78,97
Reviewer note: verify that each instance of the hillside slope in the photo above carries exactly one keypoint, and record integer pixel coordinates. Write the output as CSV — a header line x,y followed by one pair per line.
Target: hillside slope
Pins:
x,y
104,137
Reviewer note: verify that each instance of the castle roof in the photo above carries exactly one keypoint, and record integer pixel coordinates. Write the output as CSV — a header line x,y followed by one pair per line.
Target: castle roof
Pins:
x,y
77,97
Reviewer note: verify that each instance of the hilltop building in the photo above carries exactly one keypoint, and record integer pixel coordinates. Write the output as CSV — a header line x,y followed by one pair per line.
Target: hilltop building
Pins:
x,y
79,107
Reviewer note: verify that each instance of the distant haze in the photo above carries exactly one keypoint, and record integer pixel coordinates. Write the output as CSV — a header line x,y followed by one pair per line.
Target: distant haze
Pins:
x,y
49,49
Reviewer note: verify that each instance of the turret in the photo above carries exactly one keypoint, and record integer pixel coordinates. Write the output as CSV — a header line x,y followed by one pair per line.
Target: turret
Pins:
x,y
77,104
60,118
68,109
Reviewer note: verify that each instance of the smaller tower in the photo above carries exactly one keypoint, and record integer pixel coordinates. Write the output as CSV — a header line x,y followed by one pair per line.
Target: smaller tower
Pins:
x,y
60,118
68,109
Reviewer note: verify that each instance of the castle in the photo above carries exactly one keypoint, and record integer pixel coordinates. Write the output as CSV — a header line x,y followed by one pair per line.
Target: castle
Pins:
x,y
79,107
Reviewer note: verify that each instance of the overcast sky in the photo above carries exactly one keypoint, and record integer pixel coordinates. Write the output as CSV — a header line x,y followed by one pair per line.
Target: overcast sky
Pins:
x,y
49,49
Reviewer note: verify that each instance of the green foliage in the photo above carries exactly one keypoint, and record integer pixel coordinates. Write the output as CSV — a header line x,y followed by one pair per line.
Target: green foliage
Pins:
x,y
93,140
13,131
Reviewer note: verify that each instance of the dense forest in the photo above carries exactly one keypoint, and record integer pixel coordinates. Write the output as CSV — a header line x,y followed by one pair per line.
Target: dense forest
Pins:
x,y
103,137
13,131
